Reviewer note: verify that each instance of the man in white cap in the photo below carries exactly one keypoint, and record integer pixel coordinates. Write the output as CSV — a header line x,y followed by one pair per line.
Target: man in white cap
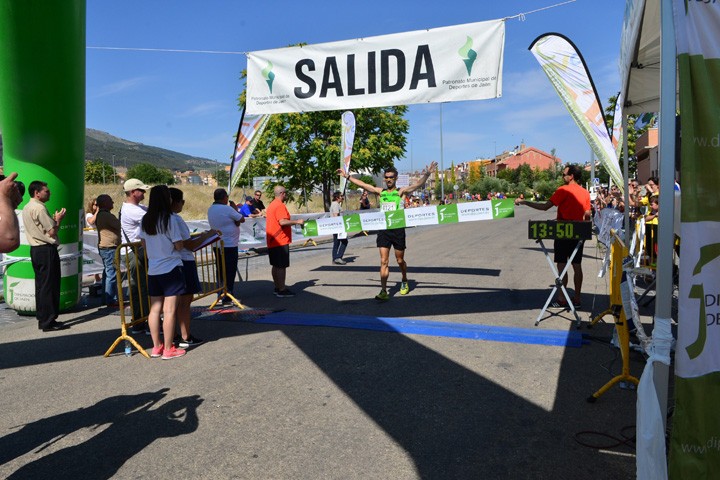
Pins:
x,y
131,215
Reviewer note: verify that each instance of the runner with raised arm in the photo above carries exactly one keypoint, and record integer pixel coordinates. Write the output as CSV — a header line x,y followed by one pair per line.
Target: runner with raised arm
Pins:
x,y
391,198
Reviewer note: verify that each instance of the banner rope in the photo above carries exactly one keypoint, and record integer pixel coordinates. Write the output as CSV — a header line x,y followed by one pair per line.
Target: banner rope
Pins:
x,y
521,16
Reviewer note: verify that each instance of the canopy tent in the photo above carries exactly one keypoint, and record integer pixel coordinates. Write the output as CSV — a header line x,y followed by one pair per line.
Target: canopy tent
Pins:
x,y
644,58
640,57
670,43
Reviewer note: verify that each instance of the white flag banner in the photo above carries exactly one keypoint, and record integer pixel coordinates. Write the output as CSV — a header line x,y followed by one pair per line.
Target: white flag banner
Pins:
x,y
448,64
348,138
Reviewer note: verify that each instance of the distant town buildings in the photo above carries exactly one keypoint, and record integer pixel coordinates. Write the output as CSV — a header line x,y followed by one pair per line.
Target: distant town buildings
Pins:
x,y
646,152
508,160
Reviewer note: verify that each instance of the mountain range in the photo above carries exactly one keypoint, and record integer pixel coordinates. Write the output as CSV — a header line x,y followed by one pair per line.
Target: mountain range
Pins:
x,y
102,145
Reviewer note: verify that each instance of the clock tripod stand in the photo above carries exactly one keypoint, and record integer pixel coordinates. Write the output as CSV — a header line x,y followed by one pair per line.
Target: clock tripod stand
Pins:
x,y
557,230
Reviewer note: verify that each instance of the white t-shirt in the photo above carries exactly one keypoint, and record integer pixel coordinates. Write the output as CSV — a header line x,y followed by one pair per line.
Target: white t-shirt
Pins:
x,y
87,218
130,218
335,208
185,254
160,251
223,217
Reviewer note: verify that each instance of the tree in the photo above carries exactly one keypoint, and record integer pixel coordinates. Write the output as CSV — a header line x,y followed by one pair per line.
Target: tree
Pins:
x,y
221,177
364,178
151,174
304,148
98,171
632,136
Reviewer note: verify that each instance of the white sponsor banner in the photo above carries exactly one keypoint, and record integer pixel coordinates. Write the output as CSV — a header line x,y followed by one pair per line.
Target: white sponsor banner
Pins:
x,y
448,64
696,29
696,353
69,263
470,212
421,216
330,225
373,221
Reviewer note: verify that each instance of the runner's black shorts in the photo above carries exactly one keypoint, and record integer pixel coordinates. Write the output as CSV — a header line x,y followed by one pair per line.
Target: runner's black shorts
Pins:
x,y
279,256
563,250
391,238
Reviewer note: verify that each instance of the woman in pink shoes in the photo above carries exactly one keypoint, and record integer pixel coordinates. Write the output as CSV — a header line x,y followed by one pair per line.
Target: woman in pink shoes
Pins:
x,y
162,240
192,282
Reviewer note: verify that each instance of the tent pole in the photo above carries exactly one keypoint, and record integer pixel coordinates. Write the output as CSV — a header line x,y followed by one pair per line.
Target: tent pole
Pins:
x,y
663,303
626,179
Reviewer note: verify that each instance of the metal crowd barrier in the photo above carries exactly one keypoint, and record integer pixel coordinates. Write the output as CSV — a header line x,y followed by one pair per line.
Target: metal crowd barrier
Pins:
x,y
134,310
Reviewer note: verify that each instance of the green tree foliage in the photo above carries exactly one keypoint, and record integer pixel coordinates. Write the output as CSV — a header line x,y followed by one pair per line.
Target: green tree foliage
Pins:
x,y
151,174
546,187
632,136
489,184
98,171
305,148
221,177
365,178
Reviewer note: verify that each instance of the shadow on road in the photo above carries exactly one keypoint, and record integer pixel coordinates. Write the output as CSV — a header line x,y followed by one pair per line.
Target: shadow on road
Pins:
x,y
133,422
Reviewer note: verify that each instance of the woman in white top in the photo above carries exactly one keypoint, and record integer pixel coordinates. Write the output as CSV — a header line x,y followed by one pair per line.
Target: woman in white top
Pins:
x,y
91,211
192,282
162,240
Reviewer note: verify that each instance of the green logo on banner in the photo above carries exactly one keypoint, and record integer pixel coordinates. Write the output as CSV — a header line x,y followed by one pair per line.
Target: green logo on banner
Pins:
x,y
503,208
468,55
708,253
395,219
352,223
269,76
447,213
310,228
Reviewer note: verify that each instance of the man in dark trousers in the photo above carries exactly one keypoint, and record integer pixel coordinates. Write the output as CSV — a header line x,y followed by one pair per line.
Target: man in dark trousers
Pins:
x,y
41,231
573,205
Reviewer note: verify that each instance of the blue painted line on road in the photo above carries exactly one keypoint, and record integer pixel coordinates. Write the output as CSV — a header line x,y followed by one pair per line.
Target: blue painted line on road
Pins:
x,y
560,338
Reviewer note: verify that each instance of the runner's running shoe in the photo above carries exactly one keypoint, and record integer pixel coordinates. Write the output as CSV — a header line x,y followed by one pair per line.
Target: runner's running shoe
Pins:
x,y
404,288
383,296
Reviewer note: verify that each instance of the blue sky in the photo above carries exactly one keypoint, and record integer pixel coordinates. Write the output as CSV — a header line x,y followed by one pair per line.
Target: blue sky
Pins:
x,y
188,101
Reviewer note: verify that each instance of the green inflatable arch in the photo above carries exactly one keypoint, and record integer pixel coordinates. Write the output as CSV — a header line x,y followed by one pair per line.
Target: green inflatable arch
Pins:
x,y
42,120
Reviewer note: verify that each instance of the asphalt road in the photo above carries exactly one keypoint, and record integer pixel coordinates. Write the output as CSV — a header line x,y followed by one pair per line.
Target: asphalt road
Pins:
x,y
269,401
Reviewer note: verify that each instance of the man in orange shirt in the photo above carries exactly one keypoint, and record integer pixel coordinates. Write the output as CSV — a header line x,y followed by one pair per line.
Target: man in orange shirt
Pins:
x,y
279,235
573,203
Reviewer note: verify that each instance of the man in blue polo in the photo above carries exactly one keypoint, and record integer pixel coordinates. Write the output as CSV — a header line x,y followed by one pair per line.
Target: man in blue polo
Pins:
x,y
391,198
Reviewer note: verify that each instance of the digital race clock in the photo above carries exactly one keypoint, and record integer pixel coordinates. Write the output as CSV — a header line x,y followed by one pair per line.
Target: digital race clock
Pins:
x,y
554,230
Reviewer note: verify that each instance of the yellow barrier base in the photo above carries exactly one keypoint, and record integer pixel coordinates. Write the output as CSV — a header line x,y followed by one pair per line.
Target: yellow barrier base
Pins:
x,y
125,336
624,340
308,241
235,301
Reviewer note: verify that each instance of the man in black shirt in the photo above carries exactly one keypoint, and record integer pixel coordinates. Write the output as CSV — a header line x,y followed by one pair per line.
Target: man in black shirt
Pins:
x,y
257,203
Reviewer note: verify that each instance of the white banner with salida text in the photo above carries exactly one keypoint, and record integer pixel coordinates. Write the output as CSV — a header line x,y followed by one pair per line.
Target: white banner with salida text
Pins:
x,y
448,64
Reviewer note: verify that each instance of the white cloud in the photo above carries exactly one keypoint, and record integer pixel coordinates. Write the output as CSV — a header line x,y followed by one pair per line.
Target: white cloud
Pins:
x,y
121,86
202,109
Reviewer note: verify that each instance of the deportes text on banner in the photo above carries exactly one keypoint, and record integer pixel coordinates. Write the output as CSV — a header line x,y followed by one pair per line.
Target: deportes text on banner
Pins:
x,y
348,138
251,128
410,217
566,70
462,62
695,443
